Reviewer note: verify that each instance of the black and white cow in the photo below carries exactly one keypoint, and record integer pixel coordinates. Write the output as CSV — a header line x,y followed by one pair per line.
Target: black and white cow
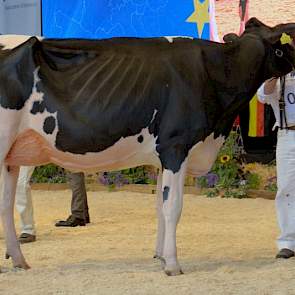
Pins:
x,y
110,104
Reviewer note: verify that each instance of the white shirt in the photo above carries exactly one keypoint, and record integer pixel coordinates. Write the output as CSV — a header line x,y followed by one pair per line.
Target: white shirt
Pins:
x,y
274,97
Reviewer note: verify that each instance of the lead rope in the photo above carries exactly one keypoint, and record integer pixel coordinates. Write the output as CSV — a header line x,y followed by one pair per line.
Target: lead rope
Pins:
x,y
282,104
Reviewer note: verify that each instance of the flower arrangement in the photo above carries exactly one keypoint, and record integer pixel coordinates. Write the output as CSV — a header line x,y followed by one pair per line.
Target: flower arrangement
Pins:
x,y
49,174
138,175
229,176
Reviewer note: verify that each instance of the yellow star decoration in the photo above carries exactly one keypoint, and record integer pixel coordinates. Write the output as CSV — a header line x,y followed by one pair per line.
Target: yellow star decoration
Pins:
x,y
200,16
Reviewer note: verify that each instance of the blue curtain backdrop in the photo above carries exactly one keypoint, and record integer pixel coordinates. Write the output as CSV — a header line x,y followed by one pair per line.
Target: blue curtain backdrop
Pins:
x,y
113,18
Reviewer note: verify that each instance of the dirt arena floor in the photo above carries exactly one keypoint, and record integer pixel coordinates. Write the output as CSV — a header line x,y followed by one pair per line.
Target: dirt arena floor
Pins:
x,y
226,246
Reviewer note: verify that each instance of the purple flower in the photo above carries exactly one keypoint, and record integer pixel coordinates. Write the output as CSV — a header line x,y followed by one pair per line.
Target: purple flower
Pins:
x,y
212,179
112,178
152,176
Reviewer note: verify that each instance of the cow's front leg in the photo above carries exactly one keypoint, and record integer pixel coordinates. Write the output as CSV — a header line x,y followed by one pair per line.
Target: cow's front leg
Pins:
x,y
172,192
9,181
161,221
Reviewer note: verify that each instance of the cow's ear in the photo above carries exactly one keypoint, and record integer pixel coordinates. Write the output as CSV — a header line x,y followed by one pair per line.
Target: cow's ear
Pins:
x,y
253,22
281,32
230,38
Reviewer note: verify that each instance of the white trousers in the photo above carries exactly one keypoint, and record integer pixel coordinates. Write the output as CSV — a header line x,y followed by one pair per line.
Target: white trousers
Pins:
x,y
23,201
285,198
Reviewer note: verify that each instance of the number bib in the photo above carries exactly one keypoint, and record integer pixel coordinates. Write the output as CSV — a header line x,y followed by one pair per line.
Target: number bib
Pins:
x,y
290,99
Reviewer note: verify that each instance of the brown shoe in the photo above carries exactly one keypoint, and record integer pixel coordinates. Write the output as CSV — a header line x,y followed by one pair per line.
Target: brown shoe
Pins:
x,y
285,253
26,238
71,222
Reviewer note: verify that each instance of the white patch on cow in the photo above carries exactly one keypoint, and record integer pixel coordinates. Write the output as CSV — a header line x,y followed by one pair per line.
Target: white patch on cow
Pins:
x,y
172,207
169,176
12,41
36,121
125,153
171,38
154,115
8,118
203,154
9,124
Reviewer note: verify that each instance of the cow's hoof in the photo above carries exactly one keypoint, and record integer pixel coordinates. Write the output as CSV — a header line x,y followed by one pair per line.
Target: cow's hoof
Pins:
x,y
161,259
21,265
17,269
173,271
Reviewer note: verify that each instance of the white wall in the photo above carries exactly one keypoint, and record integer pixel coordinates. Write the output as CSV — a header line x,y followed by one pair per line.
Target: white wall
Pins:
x,y
20,17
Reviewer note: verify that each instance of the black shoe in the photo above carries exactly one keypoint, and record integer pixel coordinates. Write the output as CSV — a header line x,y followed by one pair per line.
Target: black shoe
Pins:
x,y
285,253
26,238
71,222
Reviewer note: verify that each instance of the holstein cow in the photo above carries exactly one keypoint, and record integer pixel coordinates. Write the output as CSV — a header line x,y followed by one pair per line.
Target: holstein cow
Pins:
x,y
123,102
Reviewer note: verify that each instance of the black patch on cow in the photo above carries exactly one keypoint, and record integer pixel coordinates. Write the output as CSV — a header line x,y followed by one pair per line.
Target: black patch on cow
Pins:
x,y
49,125
17,74
166,193
140,138
38,107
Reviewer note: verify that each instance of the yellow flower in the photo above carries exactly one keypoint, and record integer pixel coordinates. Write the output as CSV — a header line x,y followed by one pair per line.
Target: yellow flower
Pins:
x,y
224,158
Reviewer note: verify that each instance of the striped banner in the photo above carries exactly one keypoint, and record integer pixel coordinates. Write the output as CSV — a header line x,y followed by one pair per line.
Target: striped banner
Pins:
x,y
244,14
213,26
256,109
256,118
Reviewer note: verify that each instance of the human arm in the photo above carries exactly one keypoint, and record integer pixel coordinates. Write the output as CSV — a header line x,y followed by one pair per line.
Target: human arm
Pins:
x,y
269,91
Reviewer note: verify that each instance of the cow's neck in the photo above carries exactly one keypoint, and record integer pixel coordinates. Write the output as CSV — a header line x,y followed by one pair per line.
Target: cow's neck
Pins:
x,y
242,74
235,86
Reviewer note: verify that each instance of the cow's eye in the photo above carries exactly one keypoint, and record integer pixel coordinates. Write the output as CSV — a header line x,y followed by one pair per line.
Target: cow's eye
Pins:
x,y
279,53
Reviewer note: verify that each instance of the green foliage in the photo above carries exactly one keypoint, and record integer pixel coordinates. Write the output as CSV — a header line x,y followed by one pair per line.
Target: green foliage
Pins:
x,y
253,180
232,181
48,174
137,175
214,192
271,184
140,175
202,182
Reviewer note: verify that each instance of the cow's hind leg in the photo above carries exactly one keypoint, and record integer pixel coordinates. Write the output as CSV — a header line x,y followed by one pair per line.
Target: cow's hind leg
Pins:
x,y
161,221
172,192
9,181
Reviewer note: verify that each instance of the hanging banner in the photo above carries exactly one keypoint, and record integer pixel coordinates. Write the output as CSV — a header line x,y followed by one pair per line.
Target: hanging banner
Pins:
x,y
244,14
256,109
204,18
21,17
213,26
105,19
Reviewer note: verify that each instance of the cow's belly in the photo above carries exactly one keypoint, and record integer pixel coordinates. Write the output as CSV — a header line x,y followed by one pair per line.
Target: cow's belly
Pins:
x,y
32,149
203,154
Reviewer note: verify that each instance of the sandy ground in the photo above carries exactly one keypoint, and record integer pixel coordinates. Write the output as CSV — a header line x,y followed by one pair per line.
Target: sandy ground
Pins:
x,y
226,246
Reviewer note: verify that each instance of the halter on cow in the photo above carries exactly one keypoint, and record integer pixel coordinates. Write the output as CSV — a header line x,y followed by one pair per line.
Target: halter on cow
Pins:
x,y
111,104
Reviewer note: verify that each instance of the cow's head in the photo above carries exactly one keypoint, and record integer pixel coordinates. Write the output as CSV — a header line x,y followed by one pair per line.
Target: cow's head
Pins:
x,y
278,43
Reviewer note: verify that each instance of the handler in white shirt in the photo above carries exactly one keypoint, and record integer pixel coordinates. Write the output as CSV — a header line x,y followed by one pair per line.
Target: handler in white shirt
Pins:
x,y
270,93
